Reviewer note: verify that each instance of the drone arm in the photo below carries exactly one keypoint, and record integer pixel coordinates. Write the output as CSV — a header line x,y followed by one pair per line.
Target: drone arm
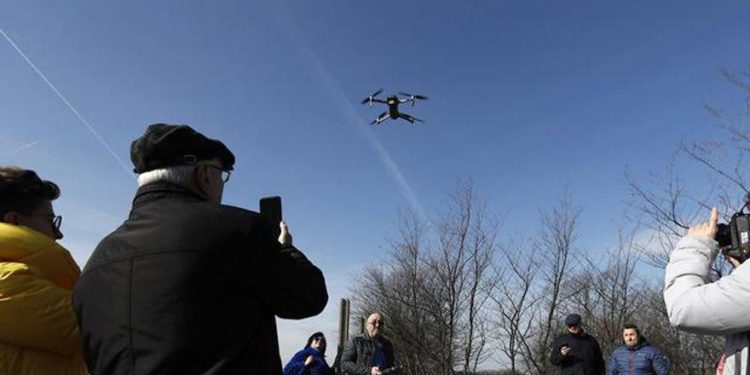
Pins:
x,y
409,118
381,117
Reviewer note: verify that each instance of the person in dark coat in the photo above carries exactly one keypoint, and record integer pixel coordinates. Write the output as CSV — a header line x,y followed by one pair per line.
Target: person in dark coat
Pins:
x,y
187,285
371,353
311,359
636,356
577,352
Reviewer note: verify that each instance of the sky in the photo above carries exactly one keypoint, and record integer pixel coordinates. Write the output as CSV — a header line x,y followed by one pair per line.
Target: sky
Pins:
x,y
529,99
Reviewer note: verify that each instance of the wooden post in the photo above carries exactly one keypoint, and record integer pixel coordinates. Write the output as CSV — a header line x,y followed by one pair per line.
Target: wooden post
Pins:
x,y
344,311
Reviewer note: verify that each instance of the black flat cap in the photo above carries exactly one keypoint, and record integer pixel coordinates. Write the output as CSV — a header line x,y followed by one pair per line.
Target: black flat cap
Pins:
x,y
572,319
164,145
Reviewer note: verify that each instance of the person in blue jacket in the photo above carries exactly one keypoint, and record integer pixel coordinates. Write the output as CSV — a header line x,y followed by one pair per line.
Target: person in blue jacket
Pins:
x,y
636,356
311,359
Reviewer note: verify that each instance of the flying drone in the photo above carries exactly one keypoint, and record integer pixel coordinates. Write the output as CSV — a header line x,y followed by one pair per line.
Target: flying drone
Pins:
x,y
393,101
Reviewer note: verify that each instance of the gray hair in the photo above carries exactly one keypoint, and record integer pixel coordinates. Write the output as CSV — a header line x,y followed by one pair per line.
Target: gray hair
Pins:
x,y
180,175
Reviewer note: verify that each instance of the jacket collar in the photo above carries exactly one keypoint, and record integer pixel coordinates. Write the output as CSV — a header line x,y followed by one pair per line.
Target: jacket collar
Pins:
x,y
164,190
20,244
640,344
313,352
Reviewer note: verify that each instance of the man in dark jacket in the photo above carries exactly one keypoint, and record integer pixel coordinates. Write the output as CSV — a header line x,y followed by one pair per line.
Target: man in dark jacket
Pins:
x,y
636,356
371,353
187,285
577,352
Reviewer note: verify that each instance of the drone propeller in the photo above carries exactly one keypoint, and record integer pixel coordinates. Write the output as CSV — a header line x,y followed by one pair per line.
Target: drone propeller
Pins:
x,y
370,98
413,97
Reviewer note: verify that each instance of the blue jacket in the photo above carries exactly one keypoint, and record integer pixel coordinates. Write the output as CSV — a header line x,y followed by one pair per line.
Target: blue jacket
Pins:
x,y
642,359
296,365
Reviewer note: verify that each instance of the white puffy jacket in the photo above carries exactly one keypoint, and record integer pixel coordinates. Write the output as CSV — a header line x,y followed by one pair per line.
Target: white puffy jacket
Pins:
x,y
697,304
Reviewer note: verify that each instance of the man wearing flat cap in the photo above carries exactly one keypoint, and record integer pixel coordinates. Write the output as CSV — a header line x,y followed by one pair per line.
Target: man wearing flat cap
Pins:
x,y
576,352
187,285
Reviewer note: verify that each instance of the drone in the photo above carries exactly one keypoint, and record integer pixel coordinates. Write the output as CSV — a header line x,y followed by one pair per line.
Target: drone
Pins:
x,y
393,101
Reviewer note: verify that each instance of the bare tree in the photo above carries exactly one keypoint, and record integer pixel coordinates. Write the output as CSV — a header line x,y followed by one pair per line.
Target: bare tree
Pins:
x,y
399,289
667,207
514,302
556,263
434,288
460,268
609,295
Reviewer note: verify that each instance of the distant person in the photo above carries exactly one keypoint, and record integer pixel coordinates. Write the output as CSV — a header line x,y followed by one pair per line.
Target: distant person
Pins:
x,y
576,352
311,359
698,303
187,285
636,356
370,353
38,330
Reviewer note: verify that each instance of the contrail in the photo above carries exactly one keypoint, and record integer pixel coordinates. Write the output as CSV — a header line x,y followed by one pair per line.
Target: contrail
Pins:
x,y
70,106
345,106
321,74
21,148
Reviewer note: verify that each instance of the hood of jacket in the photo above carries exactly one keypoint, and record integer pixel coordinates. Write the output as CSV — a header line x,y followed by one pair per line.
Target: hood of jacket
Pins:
x,y
24,245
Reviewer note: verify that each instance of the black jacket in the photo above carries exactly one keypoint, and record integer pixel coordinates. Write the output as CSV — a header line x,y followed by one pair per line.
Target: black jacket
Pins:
x,y
585,357
189,287
358,357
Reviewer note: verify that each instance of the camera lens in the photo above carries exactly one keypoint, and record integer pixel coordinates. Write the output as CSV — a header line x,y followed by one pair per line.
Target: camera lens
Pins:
x,y
723,235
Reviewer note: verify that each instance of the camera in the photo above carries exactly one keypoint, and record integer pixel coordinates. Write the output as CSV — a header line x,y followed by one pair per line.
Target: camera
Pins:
x,y
734,238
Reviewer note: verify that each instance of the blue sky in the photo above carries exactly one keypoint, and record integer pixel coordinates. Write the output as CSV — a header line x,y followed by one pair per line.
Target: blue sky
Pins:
x,y
526,98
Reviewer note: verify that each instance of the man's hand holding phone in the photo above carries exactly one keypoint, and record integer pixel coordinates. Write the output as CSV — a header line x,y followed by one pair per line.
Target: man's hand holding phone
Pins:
x,y
285,238
270,210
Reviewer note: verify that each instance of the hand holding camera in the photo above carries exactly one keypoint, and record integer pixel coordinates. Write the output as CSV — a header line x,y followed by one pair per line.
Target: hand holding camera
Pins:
x,y
707,229
733,238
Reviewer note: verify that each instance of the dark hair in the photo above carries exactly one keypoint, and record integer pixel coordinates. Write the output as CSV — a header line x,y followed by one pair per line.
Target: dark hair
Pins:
x,y
22,191
632,326
314,336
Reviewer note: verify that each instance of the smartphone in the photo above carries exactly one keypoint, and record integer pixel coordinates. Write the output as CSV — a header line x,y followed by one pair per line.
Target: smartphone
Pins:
x,y
270,210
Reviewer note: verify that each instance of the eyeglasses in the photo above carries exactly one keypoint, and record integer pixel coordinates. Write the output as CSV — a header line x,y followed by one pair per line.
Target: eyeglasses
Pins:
x,y
225,174
57,222
378,323
54,220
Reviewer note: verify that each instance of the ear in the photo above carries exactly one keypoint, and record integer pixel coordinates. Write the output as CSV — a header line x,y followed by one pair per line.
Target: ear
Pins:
x,y
202,180
11,217
202,172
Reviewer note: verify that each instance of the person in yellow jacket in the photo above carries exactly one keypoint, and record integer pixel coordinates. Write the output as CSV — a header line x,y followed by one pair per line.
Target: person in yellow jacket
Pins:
x,y
38,328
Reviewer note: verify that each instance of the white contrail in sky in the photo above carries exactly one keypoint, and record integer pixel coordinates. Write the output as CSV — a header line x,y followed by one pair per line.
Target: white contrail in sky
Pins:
x,y
70,106
21,148
325,79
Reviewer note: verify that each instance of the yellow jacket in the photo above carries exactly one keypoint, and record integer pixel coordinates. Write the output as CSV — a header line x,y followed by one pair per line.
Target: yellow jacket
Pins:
x,y
38,328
